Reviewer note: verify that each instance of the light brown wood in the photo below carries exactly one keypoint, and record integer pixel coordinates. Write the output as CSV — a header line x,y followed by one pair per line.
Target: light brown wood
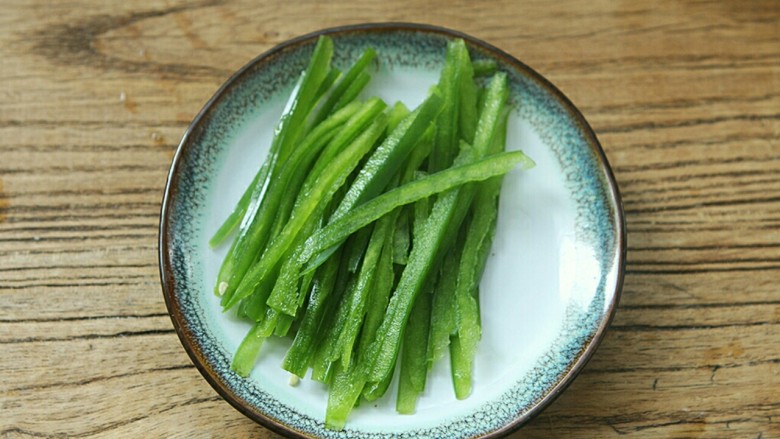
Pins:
x,y
684,96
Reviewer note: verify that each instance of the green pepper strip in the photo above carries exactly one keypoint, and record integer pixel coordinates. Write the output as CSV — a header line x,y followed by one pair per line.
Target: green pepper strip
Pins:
x,y
344,393
322,363
385,162
257,233
361,293
445,218
321,191
447,122
375,311
301,102
339,89
443,309
357,124
244,360
414,367
353,90
299,355
484,67
313,77
335,232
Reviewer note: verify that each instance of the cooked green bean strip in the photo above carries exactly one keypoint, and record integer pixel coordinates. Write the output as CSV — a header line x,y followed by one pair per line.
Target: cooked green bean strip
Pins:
x,y
323,189
385,162
299,355
256,233
335,232
346,80
484,67
414,365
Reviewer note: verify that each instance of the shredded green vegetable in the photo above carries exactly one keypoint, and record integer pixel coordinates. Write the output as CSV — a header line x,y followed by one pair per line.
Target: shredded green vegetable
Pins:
x,y
364,234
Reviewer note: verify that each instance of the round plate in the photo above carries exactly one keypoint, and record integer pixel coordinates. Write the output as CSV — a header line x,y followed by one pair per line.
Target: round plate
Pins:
x,y
549,290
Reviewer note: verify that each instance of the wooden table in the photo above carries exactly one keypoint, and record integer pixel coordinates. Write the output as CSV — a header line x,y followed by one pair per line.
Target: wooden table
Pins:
x,y
94,97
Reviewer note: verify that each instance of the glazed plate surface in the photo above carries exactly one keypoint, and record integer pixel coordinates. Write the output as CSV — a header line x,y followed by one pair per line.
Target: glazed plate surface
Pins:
x,y
549,290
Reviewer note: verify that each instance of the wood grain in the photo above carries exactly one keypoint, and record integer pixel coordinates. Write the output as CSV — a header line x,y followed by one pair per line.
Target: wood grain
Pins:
x,y
684,96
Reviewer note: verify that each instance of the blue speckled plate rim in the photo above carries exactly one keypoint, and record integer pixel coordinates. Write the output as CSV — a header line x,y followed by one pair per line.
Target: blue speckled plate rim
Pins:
x,y
185,333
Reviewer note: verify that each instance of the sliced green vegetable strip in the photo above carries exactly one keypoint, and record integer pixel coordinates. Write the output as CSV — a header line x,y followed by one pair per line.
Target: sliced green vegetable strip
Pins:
x,y
401,238
308,175
353,90
328,350
397,114
446,140
476,246
484,67
288,130
335,232
346,80
428,237
384,280
344,393
313,76
385,162
375,390
257,233
443,308
365,282
414,365
232,221
290,288
460,366
323,189
299,355
253,194
467,109
245,357
358,248
333,75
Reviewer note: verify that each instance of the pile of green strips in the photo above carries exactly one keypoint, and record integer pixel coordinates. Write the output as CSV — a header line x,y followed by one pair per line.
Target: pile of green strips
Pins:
x,y
364,235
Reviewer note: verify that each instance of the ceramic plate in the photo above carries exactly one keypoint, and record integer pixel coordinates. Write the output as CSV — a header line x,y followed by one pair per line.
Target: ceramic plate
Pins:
x,y
549,290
